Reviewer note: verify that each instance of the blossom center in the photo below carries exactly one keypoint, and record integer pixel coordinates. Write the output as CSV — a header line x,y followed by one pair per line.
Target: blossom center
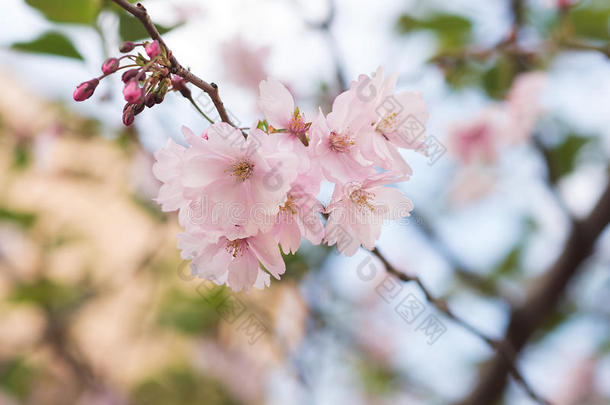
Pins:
x,y
340,143
362,198
387,124
242,170
290,206
235,247
298,127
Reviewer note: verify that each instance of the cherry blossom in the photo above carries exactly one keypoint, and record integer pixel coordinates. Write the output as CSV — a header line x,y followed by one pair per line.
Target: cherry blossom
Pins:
x,y
234,262
358,210
240,199
250,74
299,216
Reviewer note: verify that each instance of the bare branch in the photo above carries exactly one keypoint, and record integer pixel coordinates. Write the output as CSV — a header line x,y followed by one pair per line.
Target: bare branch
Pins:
x,y
527,317
503,348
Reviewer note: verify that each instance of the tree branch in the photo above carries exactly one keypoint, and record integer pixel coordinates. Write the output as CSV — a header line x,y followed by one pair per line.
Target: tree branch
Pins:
x,y
139,12
502,347
527,317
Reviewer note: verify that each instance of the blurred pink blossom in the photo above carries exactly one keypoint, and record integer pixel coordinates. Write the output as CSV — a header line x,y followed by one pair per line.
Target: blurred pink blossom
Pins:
x,y
248,74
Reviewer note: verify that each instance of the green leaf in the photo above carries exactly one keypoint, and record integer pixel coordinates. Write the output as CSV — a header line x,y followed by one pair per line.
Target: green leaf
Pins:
x,y
52,43
16,377
180,385
452,30
21,156
68,11
23,219
562,158
497,79
189,314
130,29
591,22
511,264
52,295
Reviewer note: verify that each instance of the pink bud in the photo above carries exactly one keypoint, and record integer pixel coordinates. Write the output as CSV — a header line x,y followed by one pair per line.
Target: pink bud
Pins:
x,y
85,90
178,83
127,47
128,114
129,74
132,92
110,66
153,49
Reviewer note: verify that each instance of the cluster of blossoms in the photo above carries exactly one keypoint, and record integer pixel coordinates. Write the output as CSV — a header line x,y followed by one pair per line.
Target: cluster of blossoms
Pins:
x,y
480,139
147,79
477,142
240,199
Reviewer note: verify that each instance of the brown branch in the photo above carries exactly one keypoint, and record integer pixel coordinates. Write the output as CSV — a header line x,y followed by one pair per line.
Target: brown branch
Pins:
x,y
527,317
139,12
503,348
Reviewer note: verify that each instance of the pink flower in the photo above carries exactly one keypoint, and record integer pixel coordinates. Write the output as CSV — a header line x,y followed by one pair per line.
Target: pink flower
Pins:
x,y
132,92
523,104
299,216
250,74
277,104
359,208
168,169
335,140
237,183
397,120
477,140
233,262
85,90
153,49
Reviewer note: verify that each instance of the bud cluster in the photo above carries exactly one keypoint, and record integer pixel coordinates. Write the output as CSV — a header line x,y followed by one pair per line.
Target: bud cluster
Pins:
x,y
147,79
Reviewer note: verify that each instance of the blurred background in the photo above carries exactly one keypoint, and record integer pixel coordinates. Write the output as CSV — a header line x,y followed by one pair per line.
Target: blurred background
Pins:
x,y
96,306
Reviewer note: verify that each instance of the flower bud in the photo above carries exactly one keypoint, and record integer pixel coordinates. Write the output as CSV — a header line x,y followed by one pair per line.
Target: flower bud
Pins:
x,y
153,49
138,108
132,92
128,115
129,74
85,90
178,83
159,97
127,47
110,66
149,100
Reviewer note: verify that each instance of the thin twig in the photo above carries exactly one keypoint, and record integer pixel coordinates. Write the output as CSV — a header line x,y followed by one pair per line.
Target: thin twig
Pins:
x,y
502,347
139,12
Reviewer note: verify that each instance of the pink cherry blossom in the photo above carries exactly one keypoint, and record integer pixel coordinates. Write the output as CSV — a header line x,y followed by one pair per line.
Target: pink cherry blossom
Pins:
x,y
237,182
477,140
286,121
248,74
359,208
335,140
233,262
397,120
300,216
168,169
524,104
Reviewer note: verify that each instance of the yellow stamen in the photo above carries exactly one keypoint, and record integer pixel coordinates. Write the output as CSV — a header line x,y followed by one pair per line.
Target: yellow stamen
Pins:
x,y
242,170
